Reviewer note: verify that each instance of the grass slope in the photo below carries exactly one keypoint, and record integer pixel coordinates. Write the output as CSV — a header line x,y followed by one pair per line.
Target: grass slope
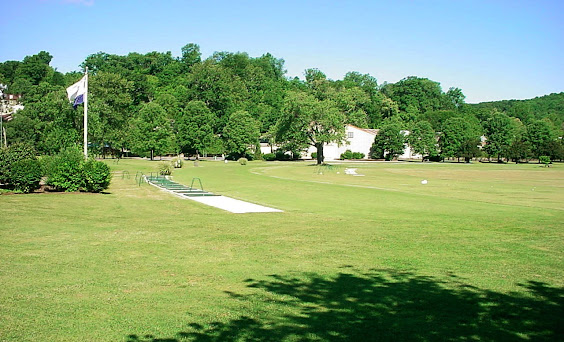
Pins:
x,y
476,254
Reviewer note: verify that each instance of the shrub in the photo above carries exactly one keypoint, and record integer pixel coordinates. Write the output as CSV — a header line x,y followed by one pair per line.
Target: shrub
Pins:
x,y
281,155
177,162
352,155
97,176
544,160
11,154
269,156
313,155
237,156
433,158
358,155
64,170
165,169
25,175
243,161
347,155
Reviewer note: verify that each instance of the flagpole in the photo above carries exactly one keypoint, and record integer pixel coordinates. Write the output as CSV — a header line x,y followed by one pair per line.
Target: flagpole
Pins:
x,y
86,115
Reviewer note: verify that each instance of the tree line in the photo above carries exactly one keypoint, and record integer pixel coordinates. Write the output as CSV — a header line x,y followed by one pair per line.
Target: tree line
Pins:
x,y
155,103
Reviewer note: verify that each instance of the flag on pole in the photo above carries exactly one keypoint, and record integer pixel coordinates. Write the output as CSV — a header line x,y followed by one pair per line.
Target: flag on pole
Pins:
x,y
76,92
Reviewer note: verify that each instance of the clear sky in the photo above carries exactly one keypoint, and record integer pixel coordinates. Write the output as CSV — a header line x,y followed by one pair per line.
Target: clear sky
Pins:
x,y
492,50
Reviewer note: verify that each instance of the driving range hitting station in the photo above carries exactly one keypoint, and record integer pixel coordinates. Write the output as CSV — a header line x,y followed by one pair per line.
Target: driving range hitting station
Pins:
x,y
199,195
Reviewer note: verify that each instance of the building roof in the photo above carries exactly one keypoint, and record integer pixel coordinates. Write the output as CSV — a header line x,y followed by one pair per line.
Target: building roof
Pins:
x,y
367,130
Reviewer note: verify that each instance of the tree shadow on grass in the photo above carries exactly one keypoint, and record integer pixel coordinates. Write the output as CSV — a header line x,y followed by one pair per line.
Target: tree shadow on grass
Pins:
x,y
384,305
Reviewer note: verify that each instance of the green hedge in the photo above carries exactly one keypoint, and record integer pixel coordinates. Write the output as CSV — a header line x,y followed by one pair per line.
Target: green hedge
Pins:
x,y
64,170
10,155
97,176
352,155
25,175
68,171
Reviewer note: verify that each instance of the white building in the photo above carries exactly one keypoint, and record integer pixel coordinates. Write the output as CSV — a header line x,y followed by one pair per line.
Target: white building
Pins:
x,y
357,140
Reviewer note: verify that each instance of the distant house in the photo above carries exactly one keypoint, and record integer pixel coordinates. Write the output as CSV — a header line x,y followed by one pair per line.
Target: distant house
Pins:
x,y
12,99
9,104
357,140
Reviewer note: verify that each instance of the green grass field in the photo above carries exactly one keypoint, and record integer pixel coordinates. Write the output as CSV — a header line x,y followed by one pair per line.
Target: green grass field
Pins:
x,y
475,254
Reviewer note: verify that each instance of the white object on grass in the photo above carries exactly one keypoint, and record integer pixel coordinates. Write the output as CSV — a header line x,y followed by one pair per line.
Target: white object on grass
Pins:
x,y
424,181
233,205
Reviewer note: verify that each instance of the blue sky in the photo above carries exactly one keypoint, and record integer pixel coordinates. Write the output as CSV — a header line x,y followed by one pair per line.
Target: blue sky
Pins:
x,y
492,50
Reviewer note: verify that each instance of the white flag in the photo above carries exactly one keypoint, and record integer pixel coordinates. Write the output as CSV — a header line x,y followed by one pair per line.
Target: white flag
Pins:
x,y
76,92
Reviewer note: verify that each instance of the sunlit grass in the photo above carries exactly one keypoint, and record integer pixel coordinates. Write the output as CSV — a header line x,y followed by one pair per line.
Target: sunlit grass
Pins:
x,y
138,261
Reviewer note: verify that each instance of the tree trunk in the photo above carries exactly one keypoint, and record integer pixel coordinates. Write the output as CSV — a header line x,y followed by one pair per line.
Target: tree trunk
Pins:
x,y
151,155
320,156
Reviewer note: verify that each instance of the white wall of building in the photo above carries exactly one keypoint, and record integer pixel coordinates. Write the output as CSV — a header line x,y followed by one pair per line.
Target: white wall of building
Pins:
x,y
357,140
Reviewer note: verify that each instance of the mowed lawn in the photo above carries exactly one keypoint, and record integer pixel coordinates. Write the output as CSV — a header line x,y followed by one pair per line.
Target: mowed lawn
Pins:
x,y
477,253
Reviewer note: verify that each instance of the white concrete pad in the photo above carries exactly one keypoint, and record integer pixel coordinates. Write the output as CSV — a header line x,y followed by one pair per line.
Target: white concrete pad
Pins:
x,y
233,205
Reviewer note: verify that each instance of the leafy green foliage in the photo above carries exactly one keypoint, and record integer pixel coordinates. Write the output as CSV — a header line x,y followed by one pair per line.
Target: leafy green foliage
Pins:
x,y
165,169
499,133
198,96
306,120
540,133
177,162
519,150
194,126
458,137
243,161
422,139
64,171
544,160
11,155
389,142
97,176
240,132
152,131
421,93
348,154
25,175
269,156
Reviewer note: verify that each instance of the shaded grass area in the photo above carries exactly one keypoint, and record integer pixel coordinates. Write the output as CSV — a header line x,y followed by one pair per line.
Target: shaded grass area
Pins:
x,y
141,264
386,305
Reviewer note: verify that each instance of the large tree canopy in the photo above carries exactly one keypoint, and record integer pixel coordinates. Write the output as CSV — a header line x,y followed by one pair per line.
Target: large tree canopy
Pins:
x,y
306,120
198,96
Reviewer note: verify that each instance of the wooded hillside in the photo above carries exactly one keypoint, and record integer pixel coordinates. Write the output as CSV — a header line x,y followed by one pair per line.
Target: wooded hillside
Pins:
x,y
156,103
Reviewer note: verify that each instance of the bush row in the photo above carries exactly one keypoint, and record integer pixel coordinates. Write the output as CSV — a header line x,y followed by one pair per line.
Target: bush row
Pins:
x,y
280,155
68,171
21,171
352,155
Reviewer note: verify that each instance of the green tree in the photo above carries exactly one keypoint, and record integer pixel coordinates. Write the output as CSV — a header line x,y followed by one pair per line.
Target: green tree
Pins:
x,y
48,120
455,97
390,141
519,150
240,132
110,106
422,93
422,139
194,127
498,131
34,68
216,85
152,132
366,82
540,133
458,137
191,54
306,120
350,101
